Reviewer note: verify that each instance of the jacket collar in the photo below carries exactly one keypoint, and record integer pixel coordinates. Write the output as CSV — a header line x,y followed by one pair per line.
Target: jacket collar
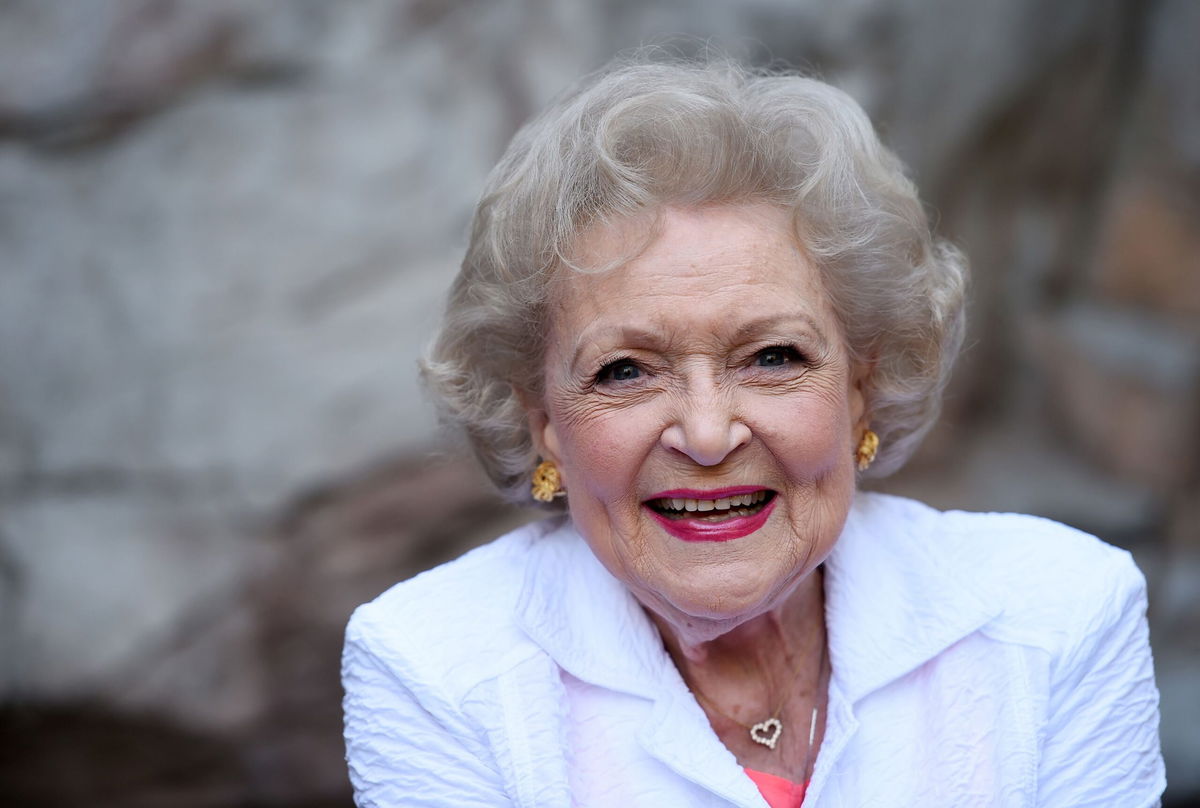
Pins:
x,y
895,592
593,628
585,619
893,601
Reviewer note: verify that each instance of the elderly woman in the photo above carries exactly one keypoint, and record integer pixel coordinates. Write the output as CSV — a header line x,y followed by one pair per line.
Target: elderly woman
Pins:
x,y
698,305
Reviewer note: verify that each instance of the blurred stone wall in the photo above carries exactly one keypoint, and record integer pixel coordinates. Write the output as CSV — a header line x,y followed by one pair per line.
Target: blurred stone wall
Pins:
x,y
225,228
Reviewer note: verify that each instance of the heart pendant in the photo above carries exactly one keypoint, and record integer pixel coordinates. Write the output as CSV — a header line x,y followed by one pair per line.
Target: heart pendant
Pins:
x,y
767,732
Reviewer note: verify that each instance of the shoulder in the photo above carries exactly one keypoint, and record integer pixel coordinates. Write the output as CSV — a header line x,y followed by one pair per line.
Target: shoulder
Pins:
x,y
1057,585
452,625
1054,612
1049,584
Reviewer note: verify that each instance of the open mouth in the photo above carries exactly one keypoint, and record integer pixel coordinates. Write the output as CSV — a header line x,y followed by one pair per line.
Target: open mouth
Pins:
x,y
712,510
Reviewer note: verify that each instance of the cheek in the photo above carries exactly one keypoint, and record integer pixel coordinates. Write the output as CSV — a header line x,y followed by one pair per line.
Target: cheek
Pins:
x,y
811,437
604,453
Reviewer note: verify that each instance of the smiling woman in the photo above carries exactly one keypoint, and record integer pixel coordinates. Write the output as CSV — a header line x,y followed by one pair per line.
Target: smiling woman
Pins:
x,y
707,405
698,305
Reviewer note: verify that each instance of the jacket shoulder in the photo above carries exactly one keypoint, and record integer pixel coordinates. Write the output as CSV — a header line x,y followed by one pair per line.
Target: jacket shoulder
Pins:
x,y
1055,584
452,625
1047,584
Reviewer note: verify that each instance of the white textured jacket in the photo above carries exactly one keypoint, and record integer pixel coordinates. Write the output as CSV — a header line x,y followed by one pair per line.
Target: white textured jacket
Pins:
x,y
978,660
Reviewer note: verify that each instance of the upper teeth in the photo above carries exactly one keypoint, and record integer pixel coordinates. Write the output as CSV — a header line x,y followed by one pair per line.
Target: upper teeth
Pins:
x,y
722,504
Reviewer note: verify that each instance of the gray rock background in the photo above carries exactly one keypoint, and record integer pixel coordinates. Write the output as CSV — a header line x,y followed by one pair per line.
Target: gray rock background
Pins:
x,y
225,228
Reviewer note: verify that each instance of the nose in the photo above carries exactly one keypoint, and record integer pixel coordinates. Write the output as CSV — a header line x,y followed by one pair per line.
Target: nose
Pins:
x,y
706,431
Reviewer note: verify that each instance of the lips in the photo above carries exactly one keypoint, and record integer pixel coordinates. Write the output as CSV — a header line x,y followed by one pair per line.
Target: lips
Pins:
x,y
714,515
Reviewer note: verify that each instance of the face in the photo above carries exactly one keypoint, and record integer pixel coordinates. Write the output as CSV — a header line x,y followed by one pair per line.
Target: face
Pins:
x,y
707,373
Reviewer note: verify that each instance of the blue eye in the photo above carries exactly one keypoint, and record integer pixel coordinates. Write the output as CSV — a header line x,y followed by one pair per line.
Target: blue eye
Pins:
x,y
620,371
776,356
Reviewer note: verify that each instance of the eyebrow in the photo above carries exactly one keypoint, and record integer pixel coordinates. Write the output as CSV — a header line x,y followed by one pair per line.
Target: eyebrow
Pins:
x,y
776,322
628,335
620,335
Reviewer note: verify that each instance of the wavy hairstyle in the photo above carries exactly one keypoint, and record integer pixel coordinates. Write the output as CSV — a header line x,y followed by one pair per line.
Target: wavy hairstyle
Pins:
x,y
640,135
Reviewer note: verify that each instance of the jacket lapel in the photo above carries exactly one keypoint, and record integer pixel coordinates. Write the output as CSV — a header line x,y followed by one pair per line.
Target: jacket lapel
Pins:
x,y
584,618
594,629
891,602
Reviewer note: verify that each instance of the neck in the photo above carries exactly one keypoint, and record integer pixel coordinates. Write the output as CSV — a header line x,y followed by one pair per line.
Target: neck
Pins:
x,y
793,630
762,683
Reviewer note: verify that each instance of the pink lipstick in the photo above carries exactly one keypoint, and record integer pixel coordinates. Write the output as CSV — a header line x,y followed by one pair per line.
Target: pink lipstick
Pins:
x,y
676,510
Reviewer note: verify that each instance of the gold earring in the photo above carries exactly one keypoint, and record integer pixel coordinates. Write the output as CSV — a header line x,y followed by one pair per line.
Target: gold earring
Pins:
x,y
867,447
547,482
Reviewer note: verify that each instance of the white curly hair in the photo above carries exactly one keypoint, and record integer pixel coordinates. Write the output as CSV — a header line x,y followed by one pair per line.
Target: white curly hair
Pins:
x,y
642,134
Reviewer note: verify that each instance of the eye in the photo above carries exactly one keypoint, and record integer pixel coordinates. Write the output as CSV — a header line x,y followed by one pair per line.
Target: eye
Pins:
x,y
622,370
776,356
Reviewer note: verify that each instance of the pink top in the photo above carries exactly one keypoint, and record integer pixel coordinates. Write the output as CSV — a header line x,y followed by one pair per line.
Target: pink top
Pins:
x,y
779,792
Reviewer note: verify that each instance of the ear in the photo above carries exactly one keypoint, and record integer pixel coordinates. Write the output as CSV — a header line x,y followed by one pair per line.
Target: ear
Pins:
x,y
542,431
544,435
860,388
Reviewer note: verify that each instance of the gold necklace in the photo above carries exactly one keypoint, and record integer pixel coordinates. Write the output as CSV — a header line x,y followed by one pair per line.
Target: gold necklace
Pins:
x,y
768,731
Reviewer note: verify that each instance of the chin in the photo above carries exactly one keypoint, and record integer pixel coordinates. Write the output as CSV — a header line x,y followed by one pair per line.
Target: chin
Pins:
x,y
700,614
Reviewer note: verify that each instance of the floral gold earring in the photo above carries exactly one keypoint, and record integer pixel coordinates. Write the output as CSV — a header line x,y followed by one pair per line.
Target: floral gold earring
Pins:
x,y
867,448
547,482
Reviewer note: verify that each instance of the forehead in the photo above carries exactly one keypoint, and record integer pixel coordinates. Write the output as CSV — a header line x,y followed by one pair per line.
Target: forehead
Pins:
x,y
706,268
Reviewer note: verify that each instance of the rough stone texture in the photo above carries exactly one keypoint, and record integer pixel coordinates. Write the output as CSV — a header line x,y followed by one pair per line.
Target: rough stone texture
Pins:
x,y
226,227
222,301
250,681
1125,389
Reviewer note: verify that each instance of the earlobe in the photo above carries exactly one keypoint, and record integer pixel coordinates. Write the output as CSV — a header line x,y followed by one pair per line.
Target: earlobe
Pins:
x,y
549,479
542,433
